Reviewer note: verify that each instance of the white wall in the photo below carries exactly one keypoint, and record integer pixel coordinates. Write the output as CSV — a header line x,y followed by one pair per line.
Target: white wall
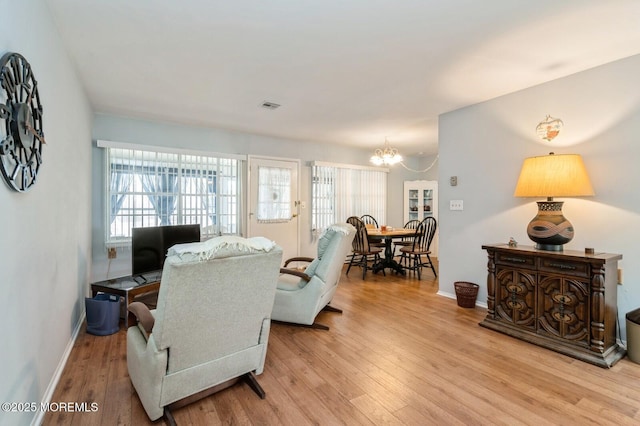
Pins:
x,y
45,232
485,144
144,132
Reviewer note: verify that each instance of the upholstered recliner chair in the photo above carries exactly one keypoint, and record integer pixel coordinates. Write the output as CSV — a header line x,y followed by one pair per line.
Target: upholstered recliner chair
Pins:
x,y
211,324
300,296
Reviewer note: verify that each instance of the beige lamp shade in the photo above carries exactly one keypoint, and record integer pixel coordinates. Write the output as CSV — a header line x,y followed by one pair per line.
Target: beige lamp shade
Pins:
x,y
553,175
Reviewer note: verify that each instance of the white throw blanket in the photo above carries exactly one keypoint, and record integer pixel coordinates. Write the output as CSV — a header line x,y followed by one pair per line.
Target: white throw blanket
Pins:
x,y
219,247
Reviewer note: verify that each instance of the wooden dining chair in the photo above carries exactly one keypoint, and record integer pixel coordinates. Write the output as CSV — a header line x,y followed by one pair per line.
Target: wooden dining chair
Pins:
x,y
362,251
407,241
412,256
371,222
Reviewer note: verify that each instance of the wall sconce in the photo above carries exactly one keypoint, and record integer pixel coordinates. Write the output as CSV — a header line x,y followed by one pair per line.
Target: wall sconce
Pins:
x,y
552,176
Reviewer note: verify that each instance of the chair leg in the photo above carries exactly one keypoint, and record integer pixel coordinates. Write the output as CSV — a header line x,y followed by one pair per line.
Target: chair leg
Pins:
x,y
406,260
251,380
315,325
412,261
364,264
350,263
170,420
330,308
432,267
319,326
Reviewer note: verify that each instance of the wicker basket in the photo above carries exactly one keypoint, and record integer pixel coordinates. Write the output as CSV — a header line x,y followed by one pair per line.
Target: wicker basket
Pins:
x,y
466,294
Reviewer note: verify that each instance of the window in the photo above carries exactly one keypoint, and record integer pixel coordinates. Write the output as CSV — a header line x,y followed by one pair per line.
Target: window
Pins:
x,y
149,188
340,191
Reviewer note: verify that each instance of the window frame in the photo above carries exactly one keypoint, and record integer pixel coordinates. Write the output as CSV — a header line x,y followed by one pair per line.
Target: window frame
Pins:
x,y
190,164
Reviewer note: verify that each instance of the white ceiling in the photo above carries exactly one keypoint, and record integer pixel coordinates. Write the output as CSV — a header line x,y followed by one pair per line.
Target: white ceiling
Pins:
x,y
345,71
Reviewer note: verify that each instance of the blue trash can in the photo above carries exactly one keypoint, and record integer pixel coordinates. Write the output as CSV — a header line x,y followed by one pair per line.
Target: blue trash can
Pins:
x,y
103,314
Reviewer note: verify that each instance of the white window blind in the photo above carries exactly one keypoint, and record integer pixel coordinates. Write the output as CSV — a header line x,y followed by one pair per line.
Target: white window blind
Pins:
x,y
149,188
340,191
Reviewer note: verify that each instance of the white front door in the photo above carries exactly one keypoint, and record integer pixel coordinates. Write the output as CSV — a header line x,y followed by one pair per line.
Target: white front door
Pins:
x,y
273,202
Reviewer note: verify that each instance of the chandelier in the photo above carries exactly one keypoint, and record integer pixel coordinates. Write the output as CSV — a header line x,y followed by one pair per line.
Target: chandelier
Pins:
x,y
386,156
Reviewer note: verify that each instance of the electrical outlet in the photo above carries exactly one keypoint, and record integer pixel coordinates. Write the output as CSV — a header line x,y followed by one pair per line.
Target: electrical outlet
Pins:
x,y
456,205
112,253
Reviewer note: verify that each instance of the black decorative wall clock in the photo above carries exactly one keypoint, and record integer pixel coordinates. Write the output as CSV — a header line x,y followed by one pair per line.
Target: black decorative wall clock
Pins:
x,y
21,135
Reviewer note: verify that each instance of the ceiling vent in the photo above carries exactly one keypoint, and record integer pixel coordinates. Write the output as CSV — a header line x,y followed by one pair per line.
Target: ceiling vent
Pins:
x,y
269,105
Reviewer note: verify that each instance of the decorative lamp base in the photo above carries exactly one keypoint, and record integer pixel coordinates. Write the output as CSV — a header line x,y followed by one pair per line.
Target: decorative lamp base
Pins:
x,y
550,230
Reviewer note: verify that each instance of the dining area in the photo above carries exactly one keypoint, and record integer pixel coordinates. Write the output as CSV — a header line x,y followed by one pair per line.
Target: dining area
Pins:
x,y
400,250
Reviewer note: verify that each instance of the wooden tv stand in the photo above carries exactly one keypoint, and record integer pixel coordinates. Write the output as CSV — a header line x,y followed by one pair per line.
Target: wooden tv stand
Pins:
x,y
128,287
564,301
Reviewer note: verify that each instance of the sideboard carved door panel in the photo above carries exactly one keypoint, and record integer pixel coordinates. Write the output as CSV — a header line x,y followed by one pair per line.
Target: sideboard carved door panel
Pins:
x,y
564,301
564,308
516,297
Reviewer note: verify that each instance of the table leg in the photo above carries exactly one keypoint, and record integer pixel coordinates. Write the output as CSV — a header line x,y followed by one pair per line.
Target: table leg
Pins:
x,y
388,261
126,310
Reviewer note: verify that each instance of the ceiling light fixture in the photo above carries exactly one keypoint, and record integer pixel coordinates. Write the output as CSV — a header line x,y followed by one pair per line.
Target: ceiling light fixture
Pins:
x,y
386,156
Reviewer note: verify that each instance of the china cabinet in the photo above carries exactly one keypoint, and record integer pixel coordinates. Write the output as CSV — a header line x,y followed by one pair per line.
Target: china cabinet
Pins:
x,y
421,201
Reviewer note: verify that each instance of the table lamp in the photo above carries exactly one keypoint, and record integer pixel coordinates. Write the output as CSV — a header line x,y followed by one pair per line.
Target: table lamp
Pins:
x,y
552,176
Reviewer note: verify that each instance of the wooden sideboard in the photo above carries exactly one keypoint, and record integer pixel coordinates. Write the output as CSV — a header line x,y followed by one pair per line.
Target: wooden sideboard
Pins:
x,y
564,301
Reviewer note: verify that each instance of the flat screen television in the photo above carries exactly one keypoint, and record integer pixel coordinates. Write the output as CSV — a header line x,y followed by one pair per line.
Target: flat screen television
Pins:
x,y
149,245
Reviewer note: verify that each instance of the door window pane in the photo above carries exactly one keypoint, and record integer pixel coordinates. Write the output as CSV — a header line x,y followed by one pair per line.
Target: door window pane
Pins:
x,y
274,194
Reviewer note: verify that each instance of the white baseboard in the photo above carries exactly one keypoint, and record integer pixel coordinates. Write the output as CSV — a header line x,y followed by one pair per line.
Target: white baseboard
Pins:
x,y
446,294
453,296
37,420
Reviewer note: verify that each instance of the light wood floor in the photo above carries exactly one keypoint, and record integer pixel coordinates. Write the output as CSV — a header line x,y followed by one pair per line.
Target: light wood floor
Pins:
x,y
399,354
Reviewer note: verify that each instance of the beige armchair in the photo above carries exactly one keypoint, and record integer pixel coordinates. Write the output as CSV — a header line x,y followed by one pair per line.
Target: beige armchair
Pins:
x,y
211,325
300,296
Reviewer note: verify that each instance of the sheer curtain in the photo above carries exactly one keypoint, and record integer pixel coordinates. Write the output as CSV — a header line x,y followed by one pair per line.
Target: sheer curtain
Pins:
x,y
206,188
274,194
119,186
162,189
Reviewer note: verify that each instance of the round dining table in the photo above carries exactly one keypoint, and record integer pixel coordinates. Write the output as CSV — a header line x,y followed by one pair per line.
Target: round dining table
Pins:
x,y
388,235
